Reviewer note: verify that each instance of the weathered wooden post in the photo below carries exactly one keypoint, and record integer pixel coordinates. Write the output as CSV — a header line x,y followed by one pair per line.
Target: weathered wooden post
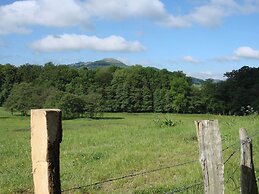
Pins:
x,y
211,156
247,179
46,136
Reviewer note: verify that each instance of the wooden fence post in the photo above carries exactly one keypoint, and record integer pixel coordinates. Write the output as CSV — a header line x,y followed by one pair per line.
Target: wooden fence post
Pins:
x,y
46,136
211,156
247,179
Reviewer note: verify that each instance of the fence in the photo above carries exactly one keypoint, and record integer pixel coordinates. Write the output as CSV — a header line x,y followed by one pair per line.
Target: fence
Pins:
x,y
46,132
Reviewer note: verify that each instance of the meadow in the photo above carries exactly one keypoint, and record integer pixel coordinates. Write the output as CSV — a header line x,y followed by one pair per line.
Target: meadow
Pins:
x,y
135,148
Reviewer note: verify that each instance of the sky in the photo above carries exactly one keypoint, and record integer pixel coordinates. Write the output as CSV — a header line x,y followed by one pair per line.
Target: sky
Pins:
x,y
202,38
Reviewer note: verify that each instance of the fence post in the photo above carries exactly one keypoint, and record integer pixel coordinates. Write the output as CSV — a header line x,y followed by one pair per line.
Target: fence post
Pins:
x,y
46,136
211,156
247,179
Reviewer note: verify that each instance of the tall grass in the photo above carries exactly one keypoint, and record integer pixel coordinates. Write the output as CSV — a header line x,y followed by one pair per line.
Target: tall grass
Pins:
x,y
122,144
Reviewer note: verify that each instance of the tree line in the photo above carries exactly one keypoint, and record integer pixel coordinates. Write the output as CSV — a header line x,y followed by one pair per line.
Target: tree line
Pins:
x,y
80,92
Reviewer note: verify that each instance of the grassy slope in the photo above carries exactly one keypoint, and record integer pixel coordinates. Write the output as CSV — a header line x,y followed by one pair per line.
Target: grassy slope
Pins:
x,y
97,150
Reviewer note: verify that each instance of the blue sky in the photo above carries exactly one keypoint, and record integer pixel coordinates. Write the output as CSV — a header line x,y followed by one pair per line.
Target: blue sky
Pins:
x,y
202,38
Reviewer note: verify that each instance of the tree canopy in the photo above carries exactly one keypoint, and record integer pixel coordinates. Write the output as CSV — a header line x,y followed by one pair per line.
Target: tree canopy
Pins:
x,y
84,92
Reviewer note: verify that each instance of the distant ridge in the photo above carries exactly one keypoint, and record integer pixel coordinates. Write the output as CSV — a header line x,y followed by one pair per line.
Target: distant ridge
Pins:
x,y
100,63
106,62
196,81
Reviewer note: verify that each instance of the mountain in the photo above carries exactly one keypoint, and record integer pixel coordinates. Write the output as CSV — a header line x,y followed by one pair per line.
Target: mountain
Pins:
x,y
79,65
196,81
114,62
100,63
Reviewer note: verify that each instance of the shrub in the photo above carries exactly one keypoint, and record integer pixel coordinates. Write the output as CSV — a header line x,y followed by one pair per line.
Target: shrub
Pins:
x,y
164,122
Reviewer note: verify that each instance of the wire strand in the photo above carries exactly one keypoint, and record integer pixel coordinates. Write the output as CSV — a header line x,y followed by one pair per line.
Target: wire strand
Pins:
x,y
231,155
231,176
181,189
167,167
130,175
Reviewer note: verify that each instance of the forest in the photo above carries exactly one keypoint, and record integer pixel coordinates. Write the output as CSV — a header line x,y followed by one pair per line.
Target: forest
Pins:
x,y
83,92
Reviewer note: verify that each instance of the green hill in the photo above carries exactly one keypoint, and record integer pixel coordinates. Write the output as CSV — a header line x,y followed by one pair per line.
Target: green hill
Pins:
x,y
100,63
114,62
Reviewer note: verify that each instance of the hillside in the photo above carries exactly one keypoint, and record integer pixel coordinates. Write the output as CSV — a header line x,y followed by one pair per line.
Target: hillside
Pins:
x,y
197,81
100,63
114,62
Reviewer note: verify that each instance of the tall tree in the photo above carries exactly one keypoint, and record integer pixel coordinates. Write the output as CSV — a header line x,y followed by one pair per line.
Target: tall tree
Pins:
x,y
180,90
243,85
8,79
23,97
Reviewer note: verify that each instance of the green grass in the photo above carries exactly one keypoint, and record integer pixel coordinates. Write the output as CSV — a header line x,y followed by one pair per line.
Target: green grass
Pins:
x,y
119,145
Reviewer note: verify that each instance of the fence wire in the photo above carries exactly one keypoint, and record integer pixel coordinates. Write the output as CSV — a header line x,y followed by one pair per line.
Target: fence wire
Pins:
x,y
131,175
232,154
238,141
236,183
230,146
196,187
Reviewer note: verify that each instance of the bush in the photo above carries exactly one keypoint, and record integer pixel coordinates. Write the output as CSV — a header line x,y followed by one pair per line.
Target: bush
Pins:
x,y
72,106
93,105
248,110
165,122
25,96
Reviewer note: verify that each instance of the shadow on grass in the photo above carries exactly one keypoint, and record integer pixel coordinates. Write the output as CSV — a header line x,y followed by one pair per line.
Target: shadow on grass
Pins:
x,y
108,118
5,117
95,118
21,129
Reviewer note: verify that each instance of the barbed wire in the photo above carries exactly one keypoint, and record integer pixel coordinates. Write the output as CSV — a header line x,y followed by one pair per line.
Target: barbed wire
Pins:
x,y
236,188
230,146
130,175
238,141
237,148
254,134
231,177
151,171
178,190
184,188
231,155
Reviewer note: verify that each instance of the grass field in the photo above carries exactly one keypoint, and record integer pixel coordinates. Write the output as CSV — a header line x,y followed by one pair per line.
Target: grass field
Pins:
x,y
121,144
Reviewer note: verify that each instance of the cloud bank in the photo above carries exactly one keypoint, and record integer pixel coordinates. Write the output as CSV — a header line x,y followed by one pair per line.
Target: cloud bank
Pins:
x,y
243,52
21,16
246,52
74,42
190,59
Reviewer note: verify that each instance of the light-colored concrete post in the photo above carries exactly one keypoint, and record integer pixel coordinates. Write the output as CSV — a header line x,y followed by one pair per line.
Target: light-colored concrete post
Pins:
x,y
46,136
211,158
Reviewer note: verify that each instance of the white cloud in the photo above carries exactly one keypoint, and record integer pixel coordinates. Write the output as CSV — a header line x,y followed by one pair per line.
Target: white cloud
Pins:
x,y
20,16
190,59
243,52
213,13
207,75
246,52
210,14
226,59
68,42
122,9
